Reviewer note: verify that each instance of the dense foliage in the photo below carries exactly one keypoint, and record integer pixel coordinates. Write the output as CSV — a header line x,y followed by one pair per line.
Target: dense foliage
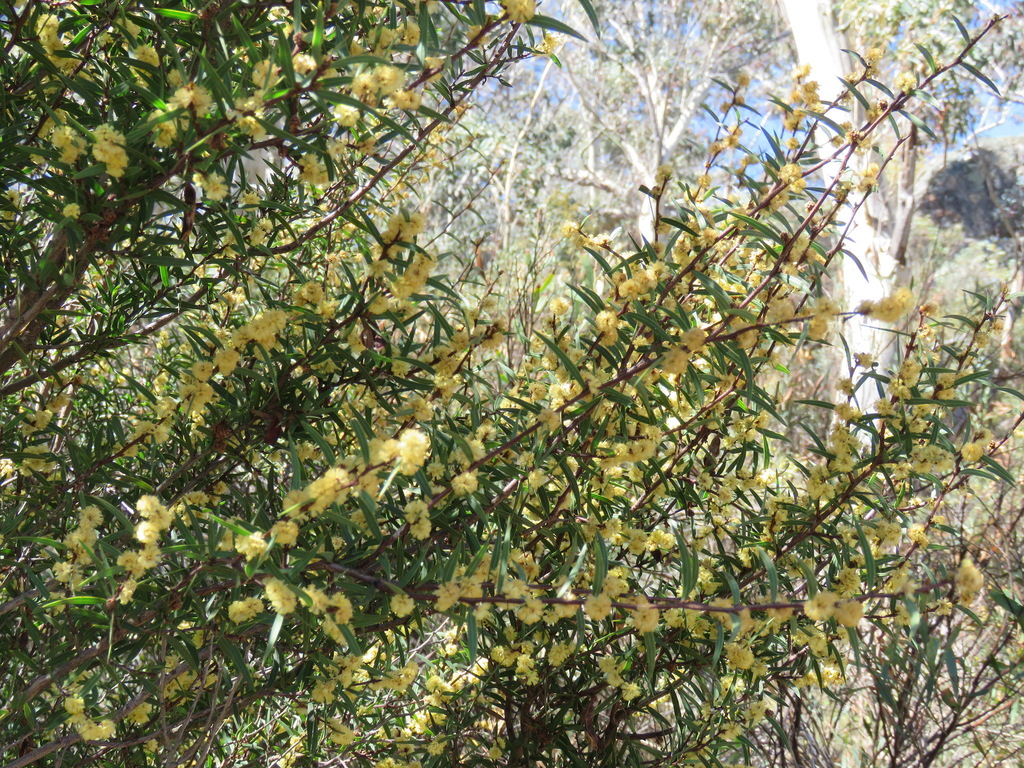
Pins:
x,y
274,489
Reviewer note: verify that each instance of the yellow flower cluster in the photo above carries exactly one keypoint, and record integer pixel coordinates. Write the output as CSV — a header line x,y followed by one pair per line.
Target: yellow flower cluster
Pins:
x,y
313,171
89,730
382,81
402,605
147,55
891,308
405,99
848,613
69,142
520,11
79,543
333,487
969,581
243,610
417,515
156,520
213,185
646,617
192,96
973,451
400,680
108,148
820,607
262,329
280,596
739,656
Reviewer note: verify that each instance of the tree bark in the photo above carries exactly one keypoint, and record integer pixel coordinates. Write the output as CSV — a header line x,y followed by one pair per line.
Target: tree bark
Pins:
x,y
878,231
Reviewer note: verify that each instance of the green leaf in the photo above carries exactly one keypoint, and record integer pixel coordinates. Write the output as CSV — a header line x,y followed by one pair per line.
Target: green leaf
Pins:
x,y
472,636
173,14
569,365
949,656
651,657
554,25
769,569
963,30
275,632
600,564
588,8
980,76
927,57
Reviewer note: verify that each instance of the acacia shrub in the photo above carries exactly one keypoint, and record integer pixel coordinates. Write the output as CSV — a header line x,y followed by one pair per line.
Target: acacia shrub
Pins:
x,y
272,492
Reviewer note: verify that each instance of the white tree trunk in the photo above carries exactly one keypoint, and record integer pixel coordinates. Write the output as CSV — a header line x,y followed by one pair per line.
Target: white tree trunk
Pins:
x,y
819,44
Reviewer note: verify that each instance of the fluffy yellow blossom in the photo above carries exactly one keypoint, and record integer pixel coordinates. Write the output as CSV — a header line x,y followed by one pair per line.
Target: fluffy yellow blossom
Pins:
x,y
520,11
74,705
917,534
341,734
645,617
905,82
141,714
303,63
465,484
193,97
694,339
281,597
108,148
560,652
244,610
226,360
387,79
612,669
891,308
265,73
214,187
849,612
313,171
402,605
286,532
969,580
739,656
417,515
597,607
405,100
70,143
147,55
412,451
821,606
91,731
972,452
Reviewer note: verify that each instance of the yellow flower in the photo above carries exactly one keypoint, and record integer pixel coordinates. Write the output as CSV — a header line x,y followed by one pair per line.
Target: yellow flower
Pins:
x,y
849,612
971,452
402,605
891,308
520,11
905,82
243,610
645,617
281,597
597,607
108,148
739,656
969,580
821,606
465,484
